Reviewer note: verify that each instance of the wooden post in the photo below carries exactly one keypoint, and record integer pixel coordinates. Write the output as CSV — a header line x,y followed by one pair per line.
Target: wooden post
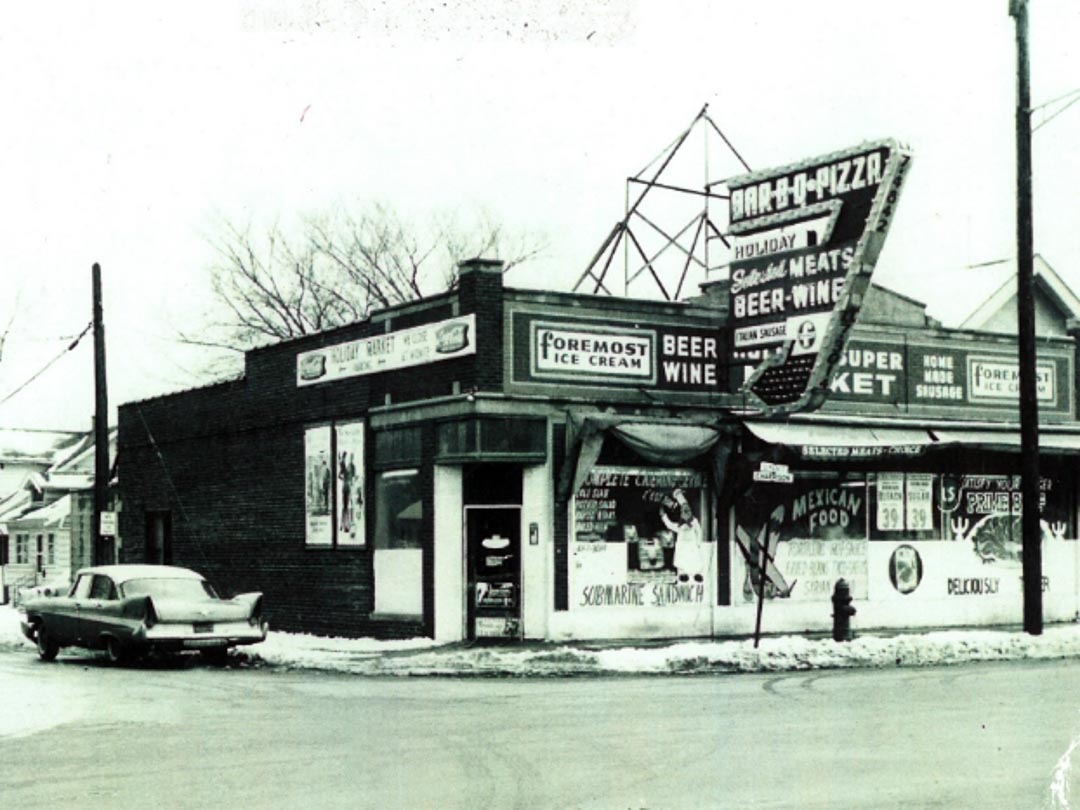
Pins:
x,y
101,427
1025,318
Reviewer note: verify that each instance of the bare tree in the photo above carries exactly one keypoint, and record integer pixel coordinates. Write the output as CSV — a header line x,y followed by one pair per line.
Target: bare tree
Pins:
x,y
334,269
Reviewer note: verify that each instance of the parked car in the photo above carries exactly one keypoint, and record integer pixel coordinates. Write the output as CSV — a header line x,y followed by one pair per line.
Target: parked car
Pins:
x,y
131,609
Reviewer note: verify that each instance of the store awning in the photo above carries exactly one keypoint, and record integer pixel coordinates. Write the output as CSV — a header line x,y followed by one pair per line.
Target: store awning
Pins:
x,y
821,442
1008,440
832,441
666,441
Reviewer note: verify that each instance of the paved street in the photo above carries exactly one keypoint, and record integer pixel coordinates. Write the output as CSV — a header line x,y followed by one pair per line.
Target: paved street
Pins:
x,y
982,735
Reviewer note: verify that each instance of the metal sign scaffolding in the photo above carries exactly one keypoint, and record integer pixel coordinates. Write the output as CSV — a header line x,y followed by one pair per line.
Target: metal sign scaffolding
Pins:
x,y
690,241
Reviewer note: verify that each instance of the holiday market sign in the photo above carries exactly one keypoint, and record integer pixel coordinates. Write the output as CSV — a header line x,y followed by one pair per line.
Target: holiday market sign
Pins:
x,y
805,239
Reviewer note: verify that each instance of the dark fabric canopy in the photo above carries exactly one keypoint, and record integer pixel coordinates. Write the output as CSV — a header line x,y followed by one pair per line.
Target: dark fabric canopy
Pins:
x,y
656,439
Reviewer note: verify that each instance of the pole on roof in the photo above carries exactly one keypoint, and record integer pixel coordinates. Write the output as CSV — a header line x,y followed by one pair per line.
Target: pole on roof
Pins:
x,y
1025,318
98,548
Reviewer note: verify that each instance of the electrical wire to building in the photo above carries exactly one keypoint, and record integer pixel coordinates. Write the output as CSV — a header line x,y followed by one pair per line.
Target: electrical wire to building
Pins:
x,y
172,486
50,364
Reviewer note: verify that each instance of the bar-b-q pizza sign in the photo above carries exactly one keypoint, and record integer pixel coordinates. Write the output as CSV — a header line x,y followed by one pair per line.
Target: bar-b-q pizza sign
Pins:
x,y
805,239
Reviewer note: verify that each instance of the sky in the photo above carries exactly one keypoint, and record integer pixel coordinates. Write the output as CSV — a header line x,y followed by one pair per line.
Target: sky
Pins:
x,y
132,130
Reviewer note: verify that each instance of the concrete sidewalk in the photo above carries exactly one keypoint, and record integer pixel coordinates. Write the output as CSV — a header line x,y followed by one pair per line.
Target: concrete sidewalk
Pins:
x,y
666,657
776,653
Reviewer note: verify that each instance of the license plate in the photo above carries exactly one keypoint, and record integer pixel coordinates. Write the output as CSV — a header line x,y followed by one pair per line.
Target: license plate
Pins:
x,y
199,643
203,627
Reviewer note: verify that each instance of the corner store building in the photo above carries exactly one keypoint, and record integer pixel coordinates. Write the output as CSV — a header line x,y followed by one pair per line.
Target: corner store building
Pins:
x,y
498,462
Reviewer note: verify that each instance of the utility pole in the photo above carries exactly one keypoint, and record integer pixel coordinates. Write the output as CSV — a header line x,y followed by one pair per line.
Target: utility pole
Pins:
x,y
101,427
1025,319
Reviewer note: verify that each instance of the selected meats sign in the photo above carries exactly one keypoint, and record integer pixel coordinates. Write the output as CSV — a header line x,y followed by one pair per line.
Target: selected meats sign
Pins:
x,y
605,353
805,239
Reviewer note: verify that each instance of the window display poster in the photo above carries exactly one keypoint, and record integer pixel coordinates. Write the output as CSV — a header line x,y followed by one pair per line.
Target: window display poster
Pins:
x,y
890,502
809,534
919,492
318,501
349,469
636,528
985,511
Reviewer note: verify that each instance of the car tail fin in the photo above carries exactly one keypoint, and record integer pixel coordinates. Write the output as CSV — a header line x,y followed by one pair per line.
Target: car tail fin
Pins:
x,y
151,616
256,612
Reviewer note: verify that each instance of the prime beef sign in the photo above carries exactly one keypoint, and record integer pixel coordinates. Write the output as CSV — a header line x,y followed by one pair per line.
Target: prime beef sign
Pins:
x,y
805,239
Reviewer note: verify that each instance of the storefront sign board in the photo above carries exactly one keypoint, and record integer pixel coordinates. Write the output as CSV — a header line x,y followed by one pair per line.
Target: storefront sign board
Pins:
x,y
428,343
935,372
806,239
606,353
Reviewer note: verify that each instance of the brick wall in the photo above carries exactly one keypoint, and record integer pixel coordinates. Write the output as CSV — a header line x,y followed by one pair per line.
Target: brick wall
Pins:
x,y
227,462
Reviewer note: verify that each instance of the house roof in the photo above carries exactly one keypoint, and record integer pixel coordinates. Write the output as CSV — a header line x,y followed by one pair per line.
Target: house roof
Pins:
x,y
14,506
55,515
1002,276
21,445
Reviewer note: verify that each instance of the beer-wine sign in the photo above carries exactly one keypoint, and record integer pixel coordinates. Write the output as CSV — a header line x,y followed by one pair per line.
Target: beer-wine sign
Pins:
x,y
805,239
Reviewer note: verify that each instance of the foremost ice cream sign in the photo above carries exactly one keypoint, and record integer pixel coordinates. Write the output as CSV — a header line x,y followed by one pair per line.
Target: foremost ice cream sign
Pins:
x,y
549,349
805,239
605,354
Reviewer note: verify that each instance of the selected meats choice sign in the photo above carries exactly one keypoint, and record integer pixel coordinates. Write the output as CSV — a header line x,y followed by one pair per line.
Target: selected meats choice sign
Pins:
x,y
417,346
805,239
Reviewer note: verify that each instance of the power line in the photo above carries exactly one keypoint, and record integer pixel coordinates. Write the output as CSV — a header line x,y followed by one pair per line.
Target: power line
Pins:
x,y
1050,118
49,365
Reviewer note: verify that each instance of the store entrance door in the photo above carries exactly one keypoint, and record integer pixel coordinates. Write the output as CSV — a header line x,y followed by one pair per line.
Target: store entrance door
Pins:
x,y
493,541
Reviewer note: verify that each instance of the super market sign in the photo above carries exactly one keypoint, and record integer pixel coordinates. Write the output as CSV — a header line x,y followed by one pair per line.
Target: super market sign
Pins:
x,y
923,374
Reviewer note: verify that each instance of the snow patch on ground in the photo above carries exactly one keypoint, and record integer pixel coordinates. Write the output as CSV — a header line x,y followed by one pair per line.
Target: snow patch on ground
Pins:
x,y
419,656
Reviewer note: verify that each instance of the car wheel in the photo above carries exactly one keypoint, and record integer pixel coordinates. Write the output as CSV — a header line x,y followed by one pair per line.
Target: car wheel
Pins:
x,y
215,656
47,648
116,651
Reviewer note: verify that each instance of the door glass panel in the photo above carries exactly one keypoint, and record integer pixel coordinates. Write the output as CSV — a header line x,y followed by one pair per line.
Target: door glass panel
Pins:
x,y
81,589
494,548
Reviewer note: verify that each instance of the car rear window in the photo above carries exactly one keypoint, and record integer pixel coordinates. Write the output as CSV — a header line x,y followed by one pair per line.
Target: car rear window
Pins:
x,y
169,588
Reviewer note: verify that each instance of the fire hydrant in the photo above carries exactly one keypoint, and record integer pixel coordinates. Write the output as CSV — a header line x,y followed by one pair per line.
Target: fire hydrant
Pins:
x,y
842,611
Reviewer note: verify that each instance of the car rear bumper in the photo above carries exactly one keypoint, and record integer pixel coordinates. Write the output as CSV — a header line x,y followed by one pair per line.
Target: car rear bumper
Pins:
x,y
172,637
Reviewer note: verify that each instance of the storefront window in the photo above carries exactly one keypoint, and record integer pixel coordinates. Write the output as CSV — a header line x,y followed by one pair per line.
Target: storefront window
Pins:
x,y
399,510
399,519
493,437
985,510
640,538
397,447
905,506
802,536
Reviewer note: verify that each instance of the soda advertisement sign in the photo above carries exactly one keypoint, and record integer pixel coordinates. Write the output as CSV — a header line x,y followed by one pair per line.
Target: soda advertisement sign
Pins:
x,y
805,239
417,346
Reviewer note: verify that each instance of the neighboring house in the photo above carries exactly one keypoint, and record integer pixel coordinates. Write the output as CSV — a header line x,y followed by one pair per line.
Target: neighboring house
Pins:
x,y
28,451
1055,304
47,522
